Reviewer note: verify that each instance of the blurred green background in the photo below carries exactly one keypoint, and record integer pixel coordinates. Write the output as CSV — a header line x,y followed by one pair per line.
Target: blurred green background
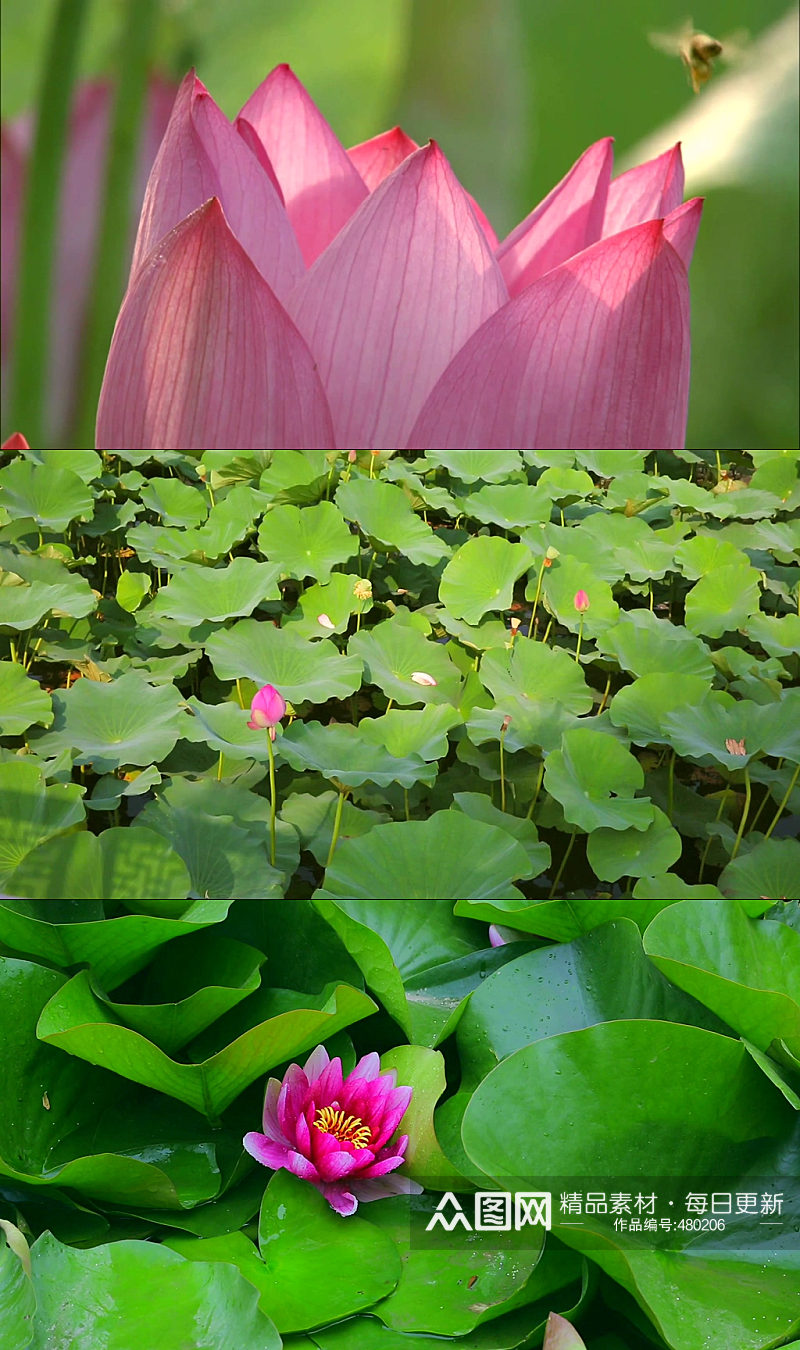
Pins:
x,y
514,91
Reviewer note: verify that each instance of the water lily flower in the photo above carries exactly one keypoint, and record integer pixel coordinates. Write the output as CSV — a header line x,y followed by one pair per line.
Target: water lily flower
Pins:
x,y
78,223
334,1131
287,293
266,710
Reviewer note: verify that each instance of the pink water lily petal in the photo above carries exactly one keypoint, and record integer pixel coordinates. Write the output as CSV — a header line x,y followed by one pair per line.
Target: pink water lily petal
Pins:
x,y
321,186
202,156
266,1151
569,219
394,297
344,1202
376,158
204,356
595,355
645,192
681,226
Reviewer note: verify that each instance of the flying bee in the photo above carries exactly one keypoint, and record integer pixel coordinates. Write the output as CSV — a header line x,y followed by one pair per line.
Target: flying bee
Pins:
x,y
697,51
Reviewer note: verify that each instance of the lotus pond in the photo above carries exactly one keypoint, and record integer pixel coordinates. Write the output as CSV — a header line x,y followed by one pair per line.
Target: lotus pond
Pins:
x,y
516,811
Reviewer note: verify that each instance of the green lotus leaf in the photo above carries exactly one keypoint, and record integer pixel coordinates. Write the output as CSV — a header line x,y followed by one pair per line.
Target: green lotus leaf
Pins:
x,y
642,706
319,1269
566,484
85,463
638,550
77,1021
118,864
228,522
124,1148
634,853
175,502
541,688
335,601
746,970
384,513
601,976
561,584
76,932
704,553
188,985
127,721
673,887
478,807
701,732
307,543
46,585
646,645
560,920
223,727
197,594
512,507
723,600
610,463
31,812
627,1082
299,669
770,869
778,636
481,575
582,776
225,855
447,855
342,753
419,731
132,588
139,1293
50,495
393,652
490,466
313,817
22,700
415,946
298,476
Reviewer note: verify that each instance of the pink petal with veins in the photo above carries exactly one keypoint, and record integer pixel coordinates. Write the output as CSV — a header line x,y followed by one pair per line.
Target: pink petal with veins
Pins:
x,y
595,355
321,186
204,356
377,158
569,219
681,227
647,192
394,297
202,156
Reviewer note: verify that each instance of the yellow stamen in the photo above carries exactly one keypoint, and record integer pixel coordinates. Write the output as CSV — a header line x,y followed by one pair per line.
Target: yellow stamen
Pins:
x,y
347,1129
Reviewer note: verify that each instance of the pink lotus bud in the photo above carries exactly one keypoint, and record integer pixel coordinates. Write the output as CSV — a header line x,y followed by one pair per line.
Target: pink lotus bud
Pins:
x,y
421,677
581,602
351,455
334,1131
266,710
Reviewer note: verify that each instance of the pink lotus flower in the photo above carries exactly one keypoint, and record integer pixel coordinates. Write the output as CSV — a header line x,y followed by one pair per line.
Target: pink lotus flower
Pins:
x,y
335,1131
266,710
79,219
581,602
287,293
